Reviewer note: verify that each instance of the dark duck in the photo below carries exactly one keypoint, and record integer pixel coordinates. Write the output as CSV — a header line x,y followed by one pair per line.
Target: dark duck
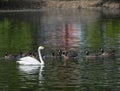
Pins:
x,y
108,53
89,56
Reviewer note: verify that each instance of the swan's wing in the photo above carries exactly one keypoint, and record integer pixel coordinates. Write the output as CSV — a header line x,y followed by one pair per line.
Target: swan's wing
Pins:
x,y
28,61
27,58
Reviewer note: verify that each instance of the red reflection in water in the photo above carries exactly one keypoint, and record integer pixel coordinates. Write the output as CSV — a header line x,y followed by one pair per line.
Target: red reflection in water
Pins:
x,y
64,37
67,37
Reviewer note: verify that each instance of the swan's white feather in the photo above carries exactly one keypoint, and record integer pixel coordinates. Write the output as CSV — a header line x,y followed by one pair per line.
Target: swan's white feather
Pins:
x,y
28,61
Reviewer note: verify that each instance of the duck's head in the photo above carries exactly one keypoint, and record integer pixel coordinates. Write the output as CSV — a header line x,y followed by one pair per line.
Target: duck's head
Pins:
x,y
60,51
6,53
53,54
87,52
65,53
111,51
101,50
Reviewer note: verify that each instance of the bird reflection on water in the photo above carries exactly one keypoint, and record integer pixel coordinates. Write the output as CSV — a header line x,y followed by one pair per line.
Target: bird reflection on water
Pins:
x,y
29,70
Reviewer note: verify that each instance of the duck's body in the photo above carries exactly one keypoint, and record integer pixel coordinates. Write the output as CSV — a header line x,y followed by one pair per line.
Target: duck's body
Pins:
x,y
89,56
65,55
65,58
8,56
108,53
59,53
70,54
53,55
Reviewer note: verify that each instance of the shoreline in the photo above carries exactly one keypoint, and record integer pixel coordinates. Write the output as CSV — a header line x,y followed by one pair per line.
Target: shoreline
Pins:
x,y
103,11
42,9
87,4
92,4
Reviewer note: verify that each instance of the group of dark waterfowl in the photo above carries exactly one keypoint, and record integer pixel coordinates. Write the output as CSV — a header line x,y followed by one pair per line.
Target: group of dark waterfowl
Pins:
x,y
20,55
74,55
102,53
70,54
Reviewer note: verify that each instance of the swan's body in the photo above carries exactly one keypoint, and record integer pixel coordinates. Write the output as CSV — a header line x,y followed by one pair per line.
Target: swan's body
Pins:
x,y
30,60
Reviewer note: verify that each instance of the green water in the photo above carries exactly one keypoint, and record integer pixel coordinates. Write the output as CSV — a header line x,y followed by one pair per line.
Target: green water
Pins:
x,y
60,29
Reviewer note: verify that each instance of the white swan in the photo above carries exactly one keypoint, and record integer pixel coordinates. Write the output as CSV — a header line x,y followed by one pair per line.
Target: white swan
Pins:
x,y
30,60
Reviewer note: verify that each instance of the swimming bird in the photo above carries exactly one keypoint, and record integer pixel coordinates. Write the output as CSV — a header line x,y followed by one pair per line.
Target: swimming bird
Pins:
x,y
72,53
28,60
8,56
110,52
89,56
59,53
65,58
56,54
65,55
53,55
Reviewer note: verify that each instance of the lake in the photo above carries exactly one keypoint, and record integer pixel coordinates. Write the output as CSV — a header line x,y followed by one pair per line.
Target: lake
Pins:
x,y
24,31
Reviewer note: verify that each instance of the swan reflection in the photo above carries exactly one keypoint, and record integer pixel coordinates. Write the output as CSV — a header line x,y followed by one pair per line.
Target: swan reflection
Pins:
x,y
31,72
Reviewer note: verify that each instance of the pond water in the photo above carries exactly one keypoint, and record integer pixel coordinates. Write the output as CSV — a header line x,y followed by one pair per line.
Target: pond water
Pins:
x,y
60,29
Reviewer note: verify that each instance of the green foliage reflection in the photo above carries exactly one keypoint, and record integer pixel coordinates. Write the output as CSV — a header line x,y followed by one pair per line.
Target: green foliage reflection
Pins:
x,y
112,31
14,36
102,34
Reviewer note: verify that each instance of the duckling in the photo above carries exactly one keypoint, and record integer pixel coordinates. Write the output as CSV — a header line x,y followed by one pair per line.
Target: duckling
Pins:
x,y
65,58
21,54
89,56
72,53
8,56
31,54
65,55
108,53
59,53
53,55
17,56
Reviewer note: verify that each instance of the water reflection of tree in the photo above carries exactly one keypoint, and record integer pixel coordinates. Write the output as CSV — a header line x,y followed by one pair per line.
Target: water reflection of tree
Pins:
x,y
14,36
67,37
112,32
102,34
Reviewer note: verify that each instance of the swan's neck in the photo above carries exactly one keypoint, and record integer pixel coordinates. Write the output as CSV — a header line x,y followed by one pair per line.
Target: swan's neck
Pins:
x,y
40,57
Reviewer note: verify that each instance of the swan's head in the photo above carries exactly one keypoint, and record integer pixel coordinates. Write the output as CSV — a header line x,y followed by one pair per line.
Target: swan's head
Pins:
x,y
41,47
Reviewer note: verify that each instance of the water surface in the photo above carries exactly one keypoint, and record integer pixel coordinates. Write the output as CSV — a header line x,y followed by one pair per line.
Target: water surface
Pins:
x,y
60,29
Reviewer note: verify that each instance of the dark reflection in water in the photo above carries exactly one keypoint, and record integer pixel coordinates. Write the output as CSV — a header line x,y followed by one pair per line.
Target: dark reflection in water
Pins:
x,y
60,29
